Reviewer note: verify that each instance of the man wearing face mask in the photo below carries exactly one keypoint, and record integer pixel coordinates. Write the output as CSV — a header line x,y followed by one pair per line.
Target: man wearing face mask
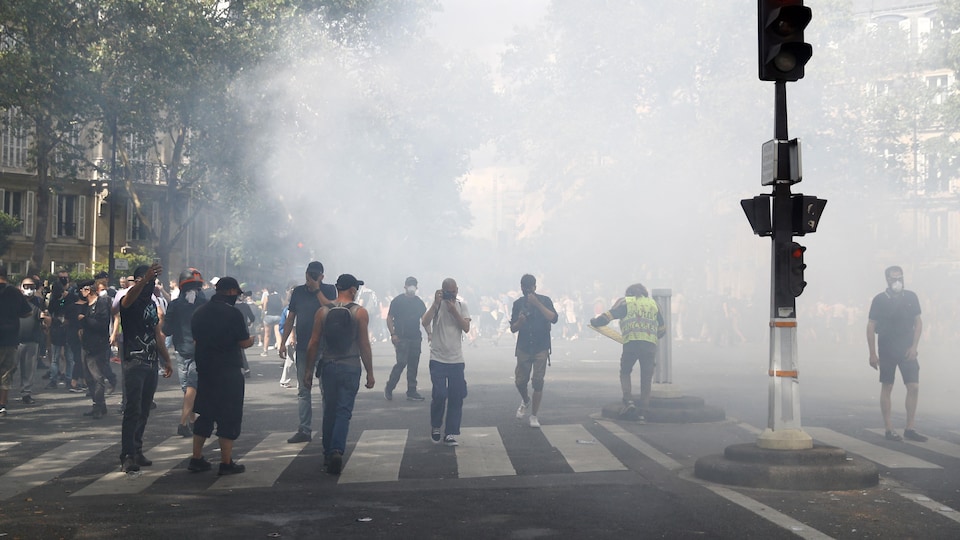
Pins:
x,y
31,333
895,320
142,349
94,320
532,316
403,322
176,324
13,307
220,331
305,300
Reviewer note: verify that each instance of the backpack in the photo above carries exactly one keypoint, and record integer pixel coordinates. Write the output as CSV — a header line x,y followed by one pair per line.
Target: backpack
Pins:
x,y
339,331
274,304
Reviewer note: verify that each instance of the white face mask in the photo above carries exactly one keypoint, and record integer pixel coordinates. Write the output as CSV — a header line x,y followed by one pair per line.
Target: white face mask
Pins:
x,y
28,292
897,286
411,290
102,293
191,296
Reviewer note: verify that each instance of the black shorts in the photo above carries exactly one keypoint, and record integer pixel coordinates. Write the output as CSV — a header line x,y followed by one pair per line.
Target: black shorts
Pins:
x,y
219,400
909,369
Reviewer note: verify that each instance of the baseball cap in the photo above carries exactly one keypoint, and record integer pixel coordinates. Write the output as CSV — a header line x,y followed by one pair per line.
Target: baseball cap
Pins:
x,y
345,281
410,281
315,267
226,283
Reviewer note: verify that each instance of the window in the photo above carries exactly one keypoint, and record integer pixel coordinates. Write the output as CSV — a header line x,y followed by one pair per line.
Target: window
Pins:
x,y
68,218
136,228
13,140
21,205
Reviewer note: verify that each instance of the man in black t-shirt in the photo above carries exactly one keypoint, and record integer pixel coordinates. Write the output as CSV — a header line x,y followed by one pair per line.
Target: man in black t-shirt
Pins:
x,y
94,320
221,335
13,306
305,300
895,320
143,346
403,322
532,316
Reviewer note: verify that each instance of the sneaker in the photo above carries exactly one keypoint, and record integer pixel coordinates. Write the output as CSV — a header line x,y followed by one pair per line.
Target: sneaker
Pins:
x,y
534,422
388,394
129,464
246,374
300,437
77,389
450,440
263,353
335,463
641,419
183,430
51,385
95,412
230,468
893,436
912,435
522,410
435,435
199,464
111,389
153,405
415,397
628,409
142,460
3,410
286,385
28,400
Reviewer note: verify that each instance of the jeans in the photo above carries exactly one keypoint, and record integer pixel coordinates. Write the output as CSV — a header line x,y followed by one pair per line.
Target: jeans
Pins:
x,y
139,385
27,365
408,356
97,363
340,382
449,389
304,403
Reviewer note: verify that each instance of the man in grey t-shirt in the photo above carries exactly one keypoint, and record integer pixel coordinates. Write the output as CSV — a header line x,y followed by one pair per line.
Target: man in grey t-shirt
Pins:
x,y
446,322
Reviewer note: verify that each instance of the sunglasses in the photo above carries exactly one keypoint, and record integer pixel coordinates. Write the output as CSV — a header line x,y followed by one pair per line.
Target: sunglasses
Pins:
x,y
30,286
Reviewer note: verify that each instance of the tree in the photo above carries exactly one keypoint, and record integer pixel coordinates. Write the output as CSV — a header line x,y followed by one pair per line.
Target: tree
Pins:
x,y
8,225
45,77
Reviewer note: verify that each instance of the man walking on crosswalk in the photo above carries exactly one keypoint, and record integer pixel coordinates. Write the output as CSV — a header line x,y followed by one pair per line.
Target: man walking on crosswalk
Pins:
x,y
446,322
532,316
341,328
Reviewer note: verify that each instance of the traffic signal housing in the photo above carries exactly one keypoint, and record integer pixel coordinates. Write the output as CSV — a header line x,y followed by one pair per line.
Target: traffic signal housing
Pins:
x,y
792,267
783,53
805,213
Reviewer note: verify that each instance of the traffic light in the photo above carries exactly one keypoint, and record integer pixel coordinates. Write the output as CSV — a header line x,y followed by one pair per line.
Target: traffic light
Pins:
x,y
783,53
791,267
758,214
805,213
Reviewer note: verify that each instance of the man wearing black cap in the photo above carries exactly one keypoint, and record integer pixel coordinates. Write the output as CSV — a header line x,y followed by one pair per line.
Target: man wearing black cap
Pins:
x,y
143,345
403,321
342,328
94,319
220,331
305,300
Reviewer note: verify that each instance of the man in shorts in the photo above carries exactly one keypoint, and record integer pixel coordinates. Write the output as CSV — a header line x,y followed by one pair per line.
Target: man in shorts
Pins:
x,y
895,320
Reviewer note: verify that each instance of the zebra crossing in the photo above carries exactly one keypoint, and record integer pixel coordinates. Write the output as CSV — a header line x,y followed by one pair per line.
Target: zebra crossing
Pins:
x,y
378,454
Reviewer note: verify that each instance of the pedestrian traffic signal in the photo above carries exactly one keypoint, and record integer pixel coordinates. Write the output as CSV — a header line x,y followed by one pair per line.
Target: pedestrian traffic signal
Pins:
x,y
783,53
758,214
791,268
805,213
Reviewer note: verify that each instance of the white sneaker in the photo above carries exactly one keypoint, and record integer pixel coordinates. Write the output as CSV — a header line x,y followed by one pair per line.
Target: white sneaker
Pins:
x,y
522,410
534,423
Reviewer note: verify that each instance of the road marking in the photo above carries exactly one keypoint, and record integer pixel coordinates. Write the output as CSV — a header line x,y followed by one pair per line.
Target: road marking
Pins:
x,y
165,456
922,500
482,453
796,527
46,467
376,458
934,445
264,464
582,452
664,460
4,446
888,458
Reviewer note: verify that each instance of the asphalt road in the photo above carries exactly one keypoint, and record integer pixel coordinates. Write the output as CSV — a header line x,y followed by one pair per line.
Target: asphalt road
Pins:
x,y
580,476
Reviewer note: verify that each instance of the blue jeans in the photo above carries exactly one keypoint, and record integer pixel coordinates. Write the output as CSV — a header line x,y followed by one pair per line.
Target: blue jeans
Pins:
x,y
139,385
449,389
340,382
304,403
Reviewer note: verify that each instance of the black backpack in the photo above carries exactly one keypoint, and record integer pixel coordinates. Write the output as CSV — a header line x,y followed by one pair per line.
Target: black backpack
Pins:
x,y
339,331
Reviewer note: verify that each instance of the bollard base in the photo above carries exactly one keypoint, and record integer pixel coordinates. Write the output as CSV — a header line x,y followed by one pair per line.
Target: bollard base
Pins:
x,y
824,468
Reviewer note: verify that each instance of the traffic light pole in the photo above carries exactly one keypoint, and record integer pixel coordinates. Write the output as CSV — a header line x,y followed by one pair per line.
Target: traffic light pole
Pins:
x,y
783,420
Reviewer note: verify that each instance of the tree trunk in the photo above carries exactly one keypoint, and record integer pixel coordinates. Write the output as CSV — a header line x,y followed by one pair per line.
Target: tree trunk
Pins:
x,y
43,196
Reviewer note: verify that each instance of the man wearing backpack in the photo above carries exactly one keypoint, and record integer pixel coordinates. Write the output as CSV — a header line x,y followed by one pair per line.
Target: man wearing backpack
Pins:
x,y
340,332
176,324
446,322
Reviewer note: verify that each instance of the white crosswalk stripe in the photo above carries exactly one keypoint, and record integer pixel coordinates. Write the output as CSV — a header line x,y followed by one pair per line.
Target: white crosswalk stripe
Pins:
x,y
877,454
582,452
264,464
482,453
165,456
4,446
376,457
48,466
935,445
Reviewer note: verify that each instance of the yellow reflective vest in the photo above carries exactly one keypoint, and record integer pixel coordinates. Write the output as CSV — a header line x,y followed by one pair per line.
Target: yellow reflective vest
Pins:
x,y
640,322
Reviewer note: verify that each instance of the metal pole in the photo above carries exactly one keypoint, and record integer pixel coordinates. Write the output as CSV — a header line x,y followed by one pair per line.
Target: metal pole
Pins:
x,y
113,196
663,373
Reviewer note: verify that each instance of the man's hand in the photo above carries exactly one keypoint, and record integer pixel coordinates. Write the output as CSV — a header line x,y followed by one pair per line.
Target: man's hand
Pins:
x,y
167,370
282,351
533,300
394,339
912,353
370,380
307,381
874,361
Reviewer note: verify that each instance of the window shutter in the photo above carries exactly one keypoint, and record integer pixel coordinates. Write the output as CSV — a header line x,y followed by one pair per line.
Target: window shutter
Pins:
x,y
29,213
3,200
130,218
54,207
82,217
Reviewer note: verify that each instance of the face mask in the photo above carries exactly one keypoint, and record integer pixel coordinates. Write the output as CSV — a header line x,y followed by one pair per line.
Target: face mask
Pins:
x,y
897,286
411,290
102,293
191,296
28,292
64,280
230,299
